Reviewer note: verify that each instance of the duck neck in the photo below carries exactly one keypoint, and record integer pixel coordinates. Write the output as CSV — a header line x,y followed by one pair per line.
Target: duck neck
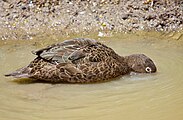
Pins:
x,y
126,60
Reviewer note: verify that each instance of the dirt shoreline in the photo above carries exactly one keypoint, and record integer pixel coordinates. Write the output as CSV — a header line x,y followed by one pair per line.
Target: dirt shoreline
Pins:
x,y
27,19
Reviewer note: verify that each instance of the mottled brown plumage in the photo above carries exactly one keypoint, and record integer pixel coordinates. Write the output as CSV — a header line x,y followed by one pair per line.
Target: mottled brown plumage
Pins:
x,y
82,60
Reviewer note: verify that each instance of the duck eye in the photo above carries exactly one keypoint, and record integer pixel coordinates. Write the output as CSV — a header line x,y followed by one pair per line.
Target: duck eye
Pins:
x,y
148,69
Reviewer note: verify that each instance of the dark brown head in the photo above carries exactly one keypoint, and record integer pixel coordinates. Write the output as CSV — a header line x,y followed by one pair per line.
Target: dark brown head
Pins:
x,y
140,63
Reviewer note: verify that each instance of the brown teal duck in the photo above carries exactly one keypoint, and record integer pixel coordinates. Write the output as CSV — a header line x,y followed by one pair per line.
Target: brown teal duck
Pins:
x,y
82,60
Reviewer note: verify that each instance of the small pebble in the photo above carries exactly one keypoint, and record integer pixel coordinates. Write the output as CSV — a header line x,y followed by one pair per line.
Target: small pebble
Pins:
x,y
100,34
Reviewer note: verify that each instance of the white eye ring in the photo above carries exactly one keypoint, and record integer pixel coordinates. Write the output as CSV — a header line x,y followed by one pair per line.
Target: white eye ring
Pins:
x,y
148,69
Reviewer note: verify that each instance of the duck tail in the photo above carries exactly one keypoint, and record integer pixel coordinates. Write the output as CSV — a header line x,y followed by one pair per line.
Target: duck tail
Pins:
x,y
20,73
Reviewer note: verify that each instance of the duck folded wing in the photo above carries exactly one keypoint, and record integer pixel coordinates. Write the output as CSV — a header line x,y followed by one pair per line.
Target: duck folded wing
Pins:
x,y
66,51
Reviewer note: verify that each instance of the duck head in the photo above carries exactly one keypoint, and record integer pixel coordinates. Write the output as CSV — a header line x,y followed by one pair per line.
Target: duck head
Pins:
x,y
140,63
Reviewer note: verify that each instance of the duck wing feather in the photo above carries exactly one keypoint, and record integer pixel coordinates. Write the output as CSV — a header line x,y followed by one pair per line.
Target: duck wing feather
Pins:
x,y
65,52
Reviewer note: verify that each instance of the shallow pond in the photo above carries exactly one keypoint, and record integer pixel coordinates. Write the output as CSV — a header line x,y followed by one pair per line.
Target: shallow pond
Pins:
x,y
156,96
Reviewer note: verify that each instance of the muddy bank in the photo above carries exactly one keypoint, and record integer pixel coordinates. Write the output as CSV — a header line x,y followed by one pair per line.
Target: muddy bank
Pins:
x,y
28,19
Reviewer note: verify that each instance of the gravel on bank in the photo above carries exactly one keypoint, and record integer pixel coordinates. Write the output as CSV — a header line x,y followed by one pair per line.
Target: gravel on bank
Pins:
x,y
26,19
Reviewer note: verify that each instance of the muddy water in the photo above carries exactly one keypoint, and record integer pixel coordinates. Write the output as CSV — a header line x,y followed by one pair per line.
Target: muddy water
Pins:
x,y
156,96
